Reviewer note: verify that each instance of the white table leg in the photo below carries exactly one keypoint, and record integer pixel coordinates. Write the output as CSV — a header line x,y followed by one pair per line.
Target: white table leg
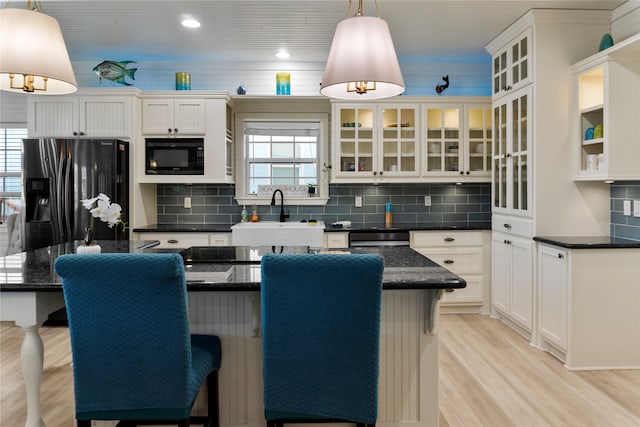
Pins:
x,y
32,365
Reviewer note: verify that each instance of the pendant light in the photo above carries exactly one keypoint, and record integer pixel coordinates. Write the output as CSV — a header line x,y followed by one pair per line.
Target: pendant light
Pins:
x,y
33,55
362,63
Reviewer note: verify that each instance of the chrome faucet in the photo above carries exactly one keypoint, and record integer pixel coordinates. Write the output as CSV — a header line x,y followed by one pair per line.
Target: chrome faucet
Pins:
x,y
273,203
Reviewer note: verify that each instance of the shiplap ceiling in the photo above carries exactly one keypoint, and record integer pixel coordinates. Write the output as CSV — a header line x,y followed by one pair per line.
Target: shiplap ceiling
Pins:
x,y
254,30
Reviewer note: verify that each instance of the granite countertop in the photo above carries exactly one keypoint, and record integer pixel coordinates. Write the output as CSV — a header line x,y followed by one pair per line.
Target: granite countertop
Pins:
x,y
588,242
404,269
217,228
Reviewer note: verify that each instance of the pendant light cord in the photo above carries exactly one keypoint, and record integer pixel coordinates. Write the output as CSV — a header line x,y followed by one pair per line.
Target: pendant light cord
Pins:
x,y
359,12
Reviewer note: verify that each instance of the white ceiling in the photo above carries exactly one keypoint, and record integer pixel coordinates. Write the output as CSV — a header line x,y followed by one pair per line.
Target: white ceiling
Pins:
x,y
254,30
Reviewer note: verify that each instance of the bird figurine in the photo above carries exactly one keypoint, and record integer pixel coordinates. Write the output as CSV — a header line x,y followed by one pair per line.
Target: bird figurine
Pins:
x,y
441,88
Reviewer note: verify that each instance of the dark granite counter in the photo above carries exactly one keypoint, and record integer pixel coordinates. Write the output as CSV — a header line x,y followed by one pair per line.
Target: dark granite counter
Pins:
x,y
404,268
588,242
217,228
185,228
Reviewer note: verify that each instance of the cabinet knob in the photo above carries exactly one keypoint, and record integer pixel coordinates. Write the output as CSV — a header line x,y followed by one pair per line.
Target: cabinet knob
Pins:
x,y
449,239
507,242
169,130
507,226
468,172
461,172
448,290
381,172
75,134
508,155
448,261
172,241
560,256
375,173
175,130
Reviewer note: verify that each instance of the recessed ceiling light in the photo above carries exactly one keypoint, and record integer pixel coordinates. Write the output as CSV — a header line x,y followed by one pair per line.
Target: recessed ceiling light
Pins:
x,y
283,54
190,23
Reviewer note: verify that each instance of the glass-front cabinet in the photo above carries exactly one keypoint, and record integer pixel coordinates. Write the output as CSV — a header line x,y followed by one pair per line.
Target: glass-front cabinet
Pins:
x,y
512,66
444,132
511,153
458,140
375,141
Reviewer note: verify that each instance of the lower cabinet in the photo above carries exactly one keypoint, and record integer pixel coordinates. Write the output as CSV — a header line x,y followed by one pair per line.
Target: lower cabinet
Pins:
x,y
589,306
552,288
512,272
182,240
465,253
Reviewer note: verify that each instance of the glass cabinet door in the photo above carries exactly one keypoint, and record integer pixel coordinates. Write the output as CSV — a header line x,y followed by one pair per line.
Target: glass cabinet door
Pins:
x,y
399,144
511,66
511,157
356,141
443,139
479,134
500,72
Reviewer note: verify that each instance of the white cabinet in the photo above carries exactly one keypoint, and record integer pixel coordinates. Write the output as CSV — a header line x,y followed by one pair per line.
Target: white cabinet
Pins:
x,y
512,65
218,140
80,116
374,141
607,102
422,139
336,239
511,153
457,141
173,116
552,288
512,273
588,306
465,253
184,240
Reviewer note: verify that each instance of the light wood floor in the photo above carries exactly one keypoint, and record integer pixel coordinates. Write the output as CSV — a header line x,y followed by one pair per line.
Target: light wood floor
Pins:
x,y
489,376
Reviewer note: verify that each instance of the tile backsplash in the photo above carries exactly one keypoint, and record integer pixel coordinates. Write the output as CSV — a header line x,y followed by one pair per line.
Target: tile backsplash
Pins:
x,y
451,204
624,226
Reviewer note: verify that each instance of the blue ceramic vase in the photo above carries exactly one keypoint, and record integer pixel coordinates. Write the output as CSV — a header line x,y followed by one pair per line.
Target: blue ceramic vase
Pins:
x,y
606,42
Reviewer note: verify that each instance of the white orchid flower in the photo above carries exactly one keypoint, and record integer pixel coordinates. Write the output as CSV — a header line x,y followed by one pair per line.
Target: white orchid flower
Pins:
x,y
88,203
102,208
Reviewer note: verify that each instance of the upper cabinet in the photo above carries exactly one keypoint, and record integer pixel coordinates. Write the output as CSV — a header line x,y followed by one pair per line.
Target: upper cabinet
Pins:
x,y
457,138
375,141
211,111
511,154
80,116
173,116
607,102
429,139
512,65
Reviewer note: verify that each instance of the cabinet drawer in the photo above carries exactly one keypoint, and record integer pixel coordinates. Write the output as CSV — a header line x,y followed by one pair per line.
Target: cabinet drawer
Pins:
x,y
457,260
336,240
428,239
471,294
512,225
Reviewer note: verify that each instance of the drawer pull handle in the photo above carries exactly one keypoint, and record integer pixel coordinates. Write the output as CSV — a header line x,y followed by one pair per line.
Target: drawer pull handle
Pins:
x,y
173,241
448,261
449,239
448,290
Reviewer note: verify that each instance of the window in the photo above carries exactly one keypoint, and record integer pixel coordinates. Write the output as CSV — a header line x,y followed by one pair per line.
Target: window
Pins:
x,y
10,170
285,154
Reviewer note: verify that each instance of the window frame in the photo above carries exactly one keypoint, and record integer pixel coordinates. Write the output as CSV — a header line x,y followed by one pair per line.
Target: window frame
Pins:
x,y
16,174
242,159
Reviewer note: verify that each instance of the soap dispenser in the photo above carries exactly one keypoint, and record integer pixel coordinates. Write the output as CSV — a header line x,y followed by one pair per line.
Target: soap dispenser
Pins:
x,y
254,214
244,214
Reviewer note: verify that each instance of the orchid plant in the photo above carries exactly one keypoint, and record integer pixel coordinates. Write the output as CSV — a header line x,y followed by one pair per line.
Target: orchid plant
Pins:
x,y
101,207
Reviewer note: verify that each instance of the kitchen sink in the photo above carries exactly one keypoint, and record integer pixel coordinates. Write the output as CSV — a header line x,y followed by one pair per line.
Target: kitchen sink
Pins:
x,y
273,233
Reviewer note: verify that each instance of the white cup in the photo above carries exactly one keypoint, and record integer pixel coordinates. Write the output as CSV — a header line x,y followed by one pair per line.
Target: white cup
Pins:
x,y
393,168
601,161
592,162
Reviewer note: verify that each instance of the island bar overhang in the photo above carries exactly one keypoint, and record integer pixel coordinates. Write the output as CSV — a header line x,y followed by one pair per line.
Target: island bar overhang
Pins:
x,y
226,306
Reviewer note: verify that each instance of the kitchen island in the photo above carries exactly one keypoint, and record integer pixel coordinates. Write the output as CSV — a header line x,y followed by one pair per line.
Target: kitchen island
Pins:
x,y
224,299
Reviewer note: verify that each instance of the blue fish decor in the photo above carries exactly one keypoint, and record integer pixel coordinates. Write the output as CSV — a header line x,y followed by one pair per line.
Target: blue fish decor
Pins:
x,y
115,71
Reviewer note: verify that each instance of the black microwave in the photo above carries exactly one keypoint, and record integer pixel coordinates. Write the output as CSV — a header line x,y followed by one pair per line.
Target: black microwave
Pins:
x,y
175,156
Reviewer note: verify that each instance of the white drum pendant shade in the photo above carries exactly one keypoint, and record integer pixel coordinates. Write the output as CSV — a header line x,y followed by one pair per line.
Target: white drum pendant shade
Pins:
x,y
31,43
362,50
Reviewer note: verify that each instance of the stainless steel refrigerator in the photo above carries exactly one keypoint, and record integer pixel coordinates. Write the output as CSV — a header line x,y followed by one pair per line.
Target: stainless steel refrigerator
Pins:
x,y
58,174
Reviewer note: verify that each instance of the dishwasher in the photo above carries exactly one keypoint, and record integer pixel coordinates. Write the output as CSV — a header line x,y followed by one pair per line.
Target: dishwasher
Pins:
x,y
378,238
